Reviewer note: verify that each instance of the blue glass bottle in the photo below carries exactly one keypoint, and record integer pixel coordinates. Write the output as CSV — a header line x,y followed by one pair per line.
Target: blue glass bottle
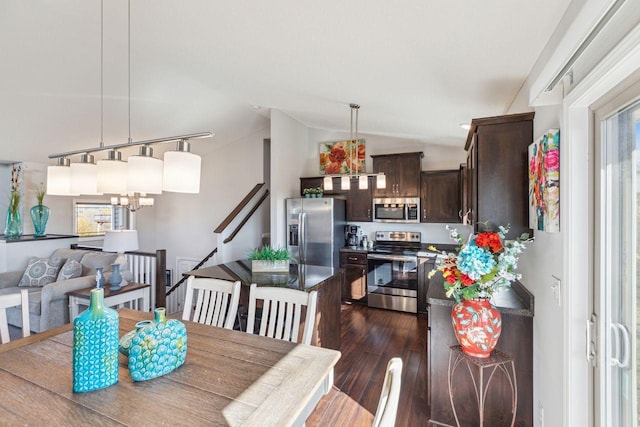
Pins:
x,y
95,346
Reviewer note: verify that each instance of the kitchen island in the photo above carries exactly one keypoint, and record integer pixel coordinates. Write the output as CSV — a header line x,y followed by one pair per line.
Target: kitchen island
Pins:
x,y
516,306
325,280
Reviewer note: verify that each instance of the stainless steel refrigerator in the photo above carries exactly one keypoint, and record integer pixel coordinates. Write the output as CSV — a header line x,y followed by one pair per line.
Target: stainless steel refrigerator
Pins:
x,y
315,230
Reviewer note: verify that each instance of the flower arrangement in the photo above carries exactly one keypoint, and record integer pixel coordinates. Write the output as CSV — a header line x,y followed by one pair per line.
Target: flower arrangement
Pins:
x,y
16,180
313,192
483,264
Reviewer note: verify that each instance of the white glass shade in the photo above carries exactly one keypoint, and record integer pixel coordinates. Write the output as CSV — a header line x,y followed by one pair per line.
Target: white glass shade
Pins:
x,y
363,182
84,178
345,183
112,176
381,181
120,241
328,183
181,172
59,181
144,175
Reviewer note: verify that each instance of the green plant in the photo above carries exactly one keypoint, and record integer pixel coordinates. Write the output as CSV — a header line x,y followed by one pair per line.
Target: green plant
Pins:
x,y
313,190
267,253
40,193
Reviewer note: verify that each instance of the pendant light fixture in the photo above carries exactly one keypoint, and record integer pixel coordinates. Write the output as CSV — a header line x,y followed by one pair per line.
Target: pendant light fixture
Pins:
x,y
84,176
59,178
181,172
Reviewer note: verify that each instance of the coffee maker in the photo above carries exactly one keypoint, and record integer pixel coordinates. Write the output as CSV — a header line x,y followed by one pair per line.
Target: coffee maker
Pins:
x,y
353,234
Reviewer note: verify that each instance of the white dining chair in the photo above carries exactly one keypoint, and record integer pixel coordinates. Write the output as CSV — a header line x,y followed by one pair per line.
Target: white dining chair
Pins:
x,y
282,312
390,395
14,300
216,303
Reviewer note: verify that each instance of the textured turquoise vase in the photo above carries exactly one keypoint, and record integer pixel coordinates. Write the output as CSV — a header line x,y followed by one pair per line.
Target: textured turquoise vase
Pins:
x,y
95,346
125,341
39,216
158,348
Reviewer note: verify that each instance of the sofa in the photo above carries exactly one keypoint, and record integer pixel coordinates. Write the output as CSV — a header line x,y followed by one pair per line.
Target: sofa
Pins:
x,y
49,304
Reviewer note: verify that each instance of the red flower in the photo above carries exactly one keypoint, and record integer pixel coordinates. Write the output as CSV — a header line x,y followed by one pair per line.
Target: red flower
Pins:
x,y
337,155
489,240
451,278
466,280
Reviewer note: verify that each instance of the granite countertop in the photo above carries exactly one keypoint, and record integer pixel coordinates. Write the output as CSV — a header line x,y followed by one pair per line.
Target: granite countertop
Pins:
x,y
514,300
423,247
301,276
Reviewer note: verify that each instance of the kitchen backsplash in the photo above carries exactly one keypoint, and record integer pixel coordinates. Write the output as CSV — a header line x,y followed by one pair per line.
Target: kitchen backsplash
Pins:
x,y
431,233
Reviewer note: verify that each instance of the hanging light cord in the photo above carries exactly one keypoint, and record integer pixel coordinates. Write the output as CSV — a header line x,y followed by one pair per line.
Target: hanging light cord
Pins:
x,y
129,63
101,73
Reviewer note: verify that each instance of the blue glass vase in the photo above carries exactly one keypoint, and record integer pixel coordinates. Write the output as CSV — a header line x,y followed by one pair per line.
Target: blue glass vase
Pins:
x,y
13,224
95,346
158,348
116,278
40,216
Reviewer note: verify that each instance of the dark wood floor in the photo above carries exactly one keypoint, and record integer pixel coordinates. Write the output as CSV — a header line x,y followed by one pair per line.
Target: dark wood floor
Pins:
x,y
370,337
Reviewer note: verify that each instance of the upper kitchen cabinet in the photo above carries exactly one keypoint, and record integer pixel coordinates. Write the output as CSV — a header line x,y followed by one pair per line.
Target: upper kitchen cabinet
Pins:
x,y
496,173
402,174
440,196
359,201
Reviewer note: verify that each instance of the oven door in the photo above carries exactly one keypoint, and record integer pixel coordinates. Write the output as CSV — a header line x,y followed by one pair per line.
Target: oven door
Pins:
x,y
392,282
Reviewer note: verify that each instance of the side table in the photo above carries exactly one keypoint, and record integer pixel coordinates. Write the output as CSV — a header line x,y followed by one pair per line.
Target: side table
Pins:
x,y
130,293
497,361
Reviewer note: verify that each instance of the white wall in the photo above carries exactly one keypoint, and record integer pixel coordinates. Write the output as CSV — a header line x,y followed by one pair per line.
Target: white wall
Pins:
x,y
289,139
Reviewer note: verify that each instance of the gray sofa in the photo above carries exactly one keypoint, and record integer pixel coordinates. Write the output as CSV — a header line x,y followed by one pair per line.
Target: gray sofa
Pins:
x,y
49,304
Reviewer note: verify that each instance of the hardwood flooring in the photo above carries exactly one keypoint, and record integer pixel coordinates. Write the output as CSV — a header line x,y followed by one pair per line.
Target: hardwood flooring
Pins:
x,y
370,337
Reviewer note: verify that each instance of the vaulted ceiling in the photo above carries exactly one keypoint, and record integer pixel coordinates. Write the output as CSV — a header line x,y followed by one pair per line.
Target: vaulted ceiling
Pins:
x,y
418,68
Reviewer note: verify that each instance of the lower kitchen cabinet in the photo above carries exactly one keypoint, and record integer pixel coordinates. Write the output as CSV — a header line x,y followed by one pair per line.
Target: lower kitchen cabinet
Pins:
x,y
516,340
354,277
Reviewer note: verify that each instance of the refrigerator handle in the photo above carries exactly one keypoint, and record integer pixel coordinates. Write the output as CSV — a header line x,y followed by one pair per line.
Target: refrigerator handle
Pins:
x,y
301,236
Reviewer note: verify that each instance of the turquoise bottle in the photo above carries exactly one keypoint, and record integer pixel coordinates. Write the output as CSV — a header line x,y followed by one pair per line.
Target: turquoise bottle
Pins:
x,y
95,346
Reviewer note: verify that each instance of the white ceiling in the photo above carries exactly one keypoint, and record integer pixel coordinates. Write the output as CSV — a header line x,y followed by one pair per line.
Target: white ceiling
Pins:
x,y
418,68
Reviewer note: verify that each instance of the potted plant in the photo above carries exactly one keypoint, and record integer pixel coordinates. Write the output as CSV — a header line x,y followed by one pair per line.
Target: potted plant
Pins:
x,y
269,260
40,213
313,192
481,266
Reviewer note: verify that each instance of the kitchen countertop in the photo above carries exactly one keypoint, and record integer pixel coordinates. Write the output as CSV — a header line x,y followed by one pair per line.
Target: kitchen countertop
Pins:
x,y
301,276
423,247
515,299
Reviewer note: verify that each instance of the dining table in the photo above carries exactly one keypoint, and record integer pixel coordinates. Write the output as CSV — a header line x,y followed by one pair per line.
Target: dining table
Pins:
x,y
229,378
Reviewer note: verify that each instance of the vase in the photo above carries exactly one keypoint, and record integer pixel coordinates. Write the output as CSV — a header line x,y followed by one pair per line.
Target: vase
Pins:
x,y
125,341
95,346
157,348
99,277
477,325
13,225
39,216
115,280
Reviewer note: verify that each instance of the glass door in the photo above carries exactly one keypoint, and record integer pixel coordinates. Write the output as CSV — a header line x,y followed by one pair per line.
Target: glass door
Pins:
x,y
617,242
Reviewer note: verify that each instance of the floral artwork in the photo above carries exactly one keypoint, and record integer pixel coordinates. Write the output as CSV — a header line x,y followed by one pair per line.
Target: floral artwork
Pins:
x,y
544,182
342,157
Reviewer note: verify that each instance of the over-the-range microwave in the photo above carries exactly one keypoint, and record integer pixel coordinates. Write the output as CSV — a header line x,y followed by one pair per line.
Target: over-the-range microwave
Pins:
x,y
396,209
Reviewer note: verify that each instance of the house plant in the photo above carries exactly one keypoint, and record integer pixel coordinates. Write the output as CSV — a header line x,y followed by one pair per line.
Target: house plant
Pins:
x,y
480,267
13,224
269,260
313,192
40,213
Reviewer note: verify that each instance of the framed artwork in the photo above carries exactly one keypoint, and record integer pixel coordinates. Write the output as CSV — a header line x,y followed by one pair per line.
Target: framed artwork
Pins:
x,y
341,157
544,182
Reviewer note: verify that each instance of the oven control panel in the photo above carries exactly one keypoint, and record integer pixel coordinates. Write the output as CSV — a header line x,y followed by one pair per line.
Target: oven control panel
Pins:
x,y
398,236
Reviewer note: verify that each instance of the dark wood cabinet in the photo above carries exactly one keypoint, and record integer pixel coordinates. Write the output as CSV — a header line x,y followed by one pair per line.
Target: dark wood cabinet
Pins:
x,y
354,277
440,196
402,174
497,175
359,201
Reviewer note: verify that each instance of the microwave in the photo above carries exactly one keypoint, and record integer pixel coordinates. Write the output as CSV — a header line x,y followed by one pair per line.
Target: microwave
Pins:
x,y
403,209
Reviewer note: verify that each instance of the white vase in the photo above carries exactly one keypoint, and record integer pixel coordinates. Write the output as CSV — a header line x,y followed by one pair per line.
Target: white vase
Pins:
x,y
261,266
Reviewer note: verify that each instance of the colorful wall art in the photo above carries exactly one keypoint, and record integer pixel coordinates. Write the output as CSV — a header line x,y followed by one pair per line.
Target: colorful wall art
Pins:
x,y
342,157
544,182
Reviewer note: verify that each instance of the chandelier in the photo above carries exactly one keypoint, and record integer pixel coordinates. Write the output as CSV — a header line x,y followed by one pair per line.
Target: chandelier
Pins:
x,y
141,174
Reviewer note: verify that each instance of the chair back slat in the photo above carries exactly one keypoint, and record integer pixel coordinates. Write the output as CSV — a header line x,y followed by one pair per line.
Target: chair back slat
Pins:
x,y
21,300
389,396
216,303
282,313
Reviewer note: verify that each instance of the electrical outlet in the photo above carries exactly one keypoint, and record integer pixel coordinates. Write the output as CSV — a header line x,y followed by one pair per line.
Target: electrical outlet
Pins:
x,y
555,287
540,414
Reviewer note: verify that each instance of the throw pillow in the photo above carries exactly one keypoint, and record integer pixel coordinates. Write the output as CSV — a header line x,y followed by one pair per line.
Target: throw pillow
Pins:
x,y
70,270
41,271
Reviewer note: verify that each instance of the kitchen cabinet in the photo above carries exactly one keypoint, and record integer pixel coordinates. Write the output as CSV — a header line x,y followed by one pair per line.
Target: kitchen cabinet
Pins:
x,y
402,174
440,196
516,309
360,202
497,173
318,181
354,277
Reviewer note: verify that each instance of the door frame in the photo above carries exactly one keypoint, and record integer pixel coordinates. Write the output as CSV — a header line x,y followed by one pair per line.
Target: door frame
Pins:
x,y
577,220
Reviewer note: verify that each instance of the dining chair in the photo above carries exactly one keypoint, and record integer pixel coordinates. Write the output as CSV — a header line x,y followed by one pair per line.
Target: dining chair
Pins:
x,y
216,303
14,300
390,395
282,312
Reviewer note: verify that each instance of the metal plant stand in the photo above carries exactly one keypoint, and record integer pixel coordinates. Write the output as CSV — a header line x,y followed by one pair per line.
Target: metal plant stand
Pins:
x,y
497,361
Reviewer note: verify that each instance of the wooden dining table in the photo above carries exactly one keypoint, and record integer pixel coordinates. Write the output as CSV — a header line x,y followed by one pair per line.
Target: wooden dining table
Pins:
x,y
229,378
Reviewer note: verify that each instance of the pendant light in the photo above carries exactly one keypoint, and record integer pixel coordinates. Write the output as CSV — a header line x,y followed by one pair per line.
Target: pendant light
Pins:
x,y
59,178
84,176
181,173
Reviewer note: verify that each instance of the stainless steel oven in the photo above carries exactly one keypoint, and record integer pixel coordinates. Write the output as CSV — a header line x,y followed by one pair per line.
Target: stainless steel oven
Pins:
x,y
392,281
401,209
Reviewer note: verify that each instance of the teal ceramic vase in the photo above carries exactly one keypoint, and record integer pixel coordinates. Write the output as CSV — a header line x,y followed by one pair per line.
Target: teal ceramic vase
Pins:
x,y
125,341
116,278
39,216
158,348
95,346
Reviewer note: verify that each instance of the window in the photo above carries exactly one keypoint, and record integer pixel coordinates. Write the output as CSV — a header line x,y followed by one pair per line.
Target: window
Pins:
x,y
91,218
